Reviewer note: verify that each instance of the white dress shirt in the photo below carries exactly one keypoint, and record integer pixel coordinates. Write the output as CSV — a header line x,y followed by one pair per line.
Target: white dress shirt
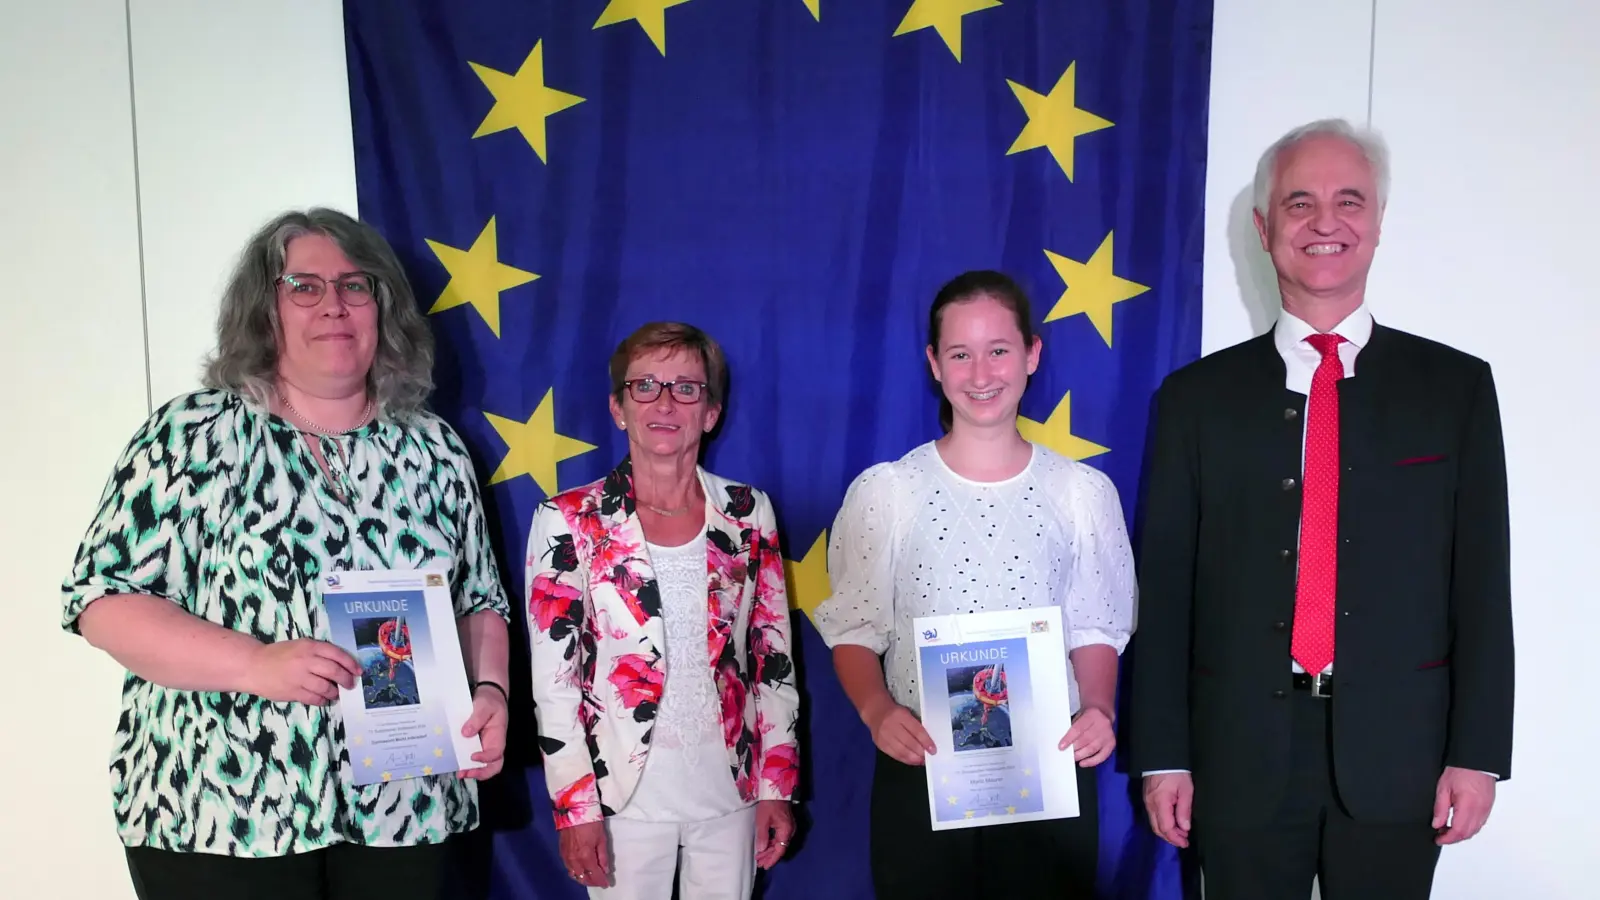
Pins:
x,y
1300,362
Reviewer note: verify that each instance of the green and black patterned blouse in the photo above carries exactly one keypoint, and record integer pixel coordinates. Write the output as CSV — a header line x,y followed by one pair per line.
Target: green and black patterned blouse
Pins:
x,y
219,507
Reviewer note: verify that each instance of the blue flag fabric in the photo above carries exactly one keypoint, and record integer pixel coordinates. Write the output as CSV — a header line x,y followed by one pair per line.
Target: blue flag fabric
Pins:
x,y
798,178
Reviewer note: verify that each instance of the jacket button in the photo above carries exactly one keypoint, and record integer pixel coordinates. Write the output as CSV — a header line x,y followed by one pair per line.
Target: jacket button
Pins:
x,y
1279,626
1288,484
1279,695
1283,554
1290,413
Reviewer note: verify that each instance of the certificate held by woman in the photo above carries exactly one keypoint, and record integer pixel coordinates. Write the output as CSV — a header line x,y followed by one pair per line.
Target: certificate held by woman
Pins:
x,y
995,701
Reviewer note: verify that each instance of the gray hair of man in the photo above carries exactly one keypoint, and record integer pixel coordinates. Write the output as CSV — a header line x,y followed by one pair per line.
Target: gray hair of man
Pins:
x,y
246,357
1369,142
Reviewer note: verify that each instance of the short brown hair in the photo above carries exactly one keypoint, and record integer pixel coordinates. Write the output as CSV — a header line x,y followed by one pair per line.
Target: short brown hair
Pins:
x,y
672,336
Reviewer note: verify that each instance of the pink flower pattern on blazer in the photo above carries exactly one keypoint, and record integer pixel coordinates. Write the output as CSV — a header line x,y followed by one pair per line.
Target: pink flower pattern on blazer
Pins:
x,y
594,608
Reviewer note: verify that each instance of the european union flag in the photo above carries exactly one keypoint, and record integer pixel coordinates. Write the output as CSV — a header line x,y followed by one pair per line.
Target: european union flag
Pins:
x,y
797,177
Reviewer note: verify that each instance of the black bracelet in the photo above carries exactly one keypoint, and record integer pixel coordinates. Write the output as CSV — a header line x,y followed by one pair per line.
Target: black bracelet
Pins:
x,y
495,686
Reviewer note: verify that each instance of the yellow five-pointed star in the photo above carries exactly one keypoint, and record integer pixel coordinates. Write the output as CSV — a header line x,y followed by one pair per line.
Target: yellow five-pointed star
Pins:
x,y
816,8
1011,809
427,770
1092,288
477,276
438,730
943,16
650,14
1056,432
968,814
533,447
1024,792
386,776
1054,119
952,799
522,101
367,762
438,752
808,577
359,739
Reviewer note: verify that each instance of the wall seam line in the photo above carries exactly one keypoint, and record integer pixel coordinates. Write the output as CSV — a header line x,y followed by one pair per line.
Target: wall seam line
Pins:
x,y
1372,56
138,212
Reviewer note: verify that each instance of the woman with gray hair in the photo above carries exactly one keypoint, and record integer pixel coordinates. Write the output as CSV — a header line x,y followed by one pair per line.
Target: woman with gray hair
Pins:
x,y
308,452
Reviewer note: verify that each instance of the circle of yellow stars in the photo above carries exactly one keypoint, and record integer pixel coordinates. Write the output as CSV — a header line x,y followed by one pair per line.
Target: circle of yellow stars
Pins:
x,y
524,101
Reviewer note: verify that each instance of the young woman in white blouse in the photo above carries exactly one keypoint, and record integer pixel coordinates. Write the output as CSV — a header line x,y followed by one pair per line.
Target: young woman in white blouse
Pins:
x,y
980,519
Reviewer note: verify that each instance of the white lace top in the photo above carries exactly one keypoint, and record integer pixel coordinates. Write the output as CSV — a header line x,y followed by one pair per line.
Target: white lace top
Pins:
x,y
687,775
913,538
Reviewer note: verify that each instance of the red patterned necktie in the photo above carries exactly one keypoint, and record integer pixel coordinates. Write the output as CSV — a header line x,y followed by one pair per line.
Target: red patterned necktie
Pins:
x,y
1319,513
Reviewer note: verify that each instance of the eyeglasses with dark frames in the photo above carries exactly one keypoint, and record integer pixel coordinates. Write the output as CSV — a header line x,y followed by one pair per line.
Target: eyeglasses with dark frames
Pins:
x,y
305,289
648,390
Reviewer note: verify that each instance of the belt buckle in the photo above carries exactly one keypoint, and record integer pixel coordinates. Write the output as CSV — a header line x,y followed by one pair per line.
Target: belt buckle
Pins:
x,y
1322,684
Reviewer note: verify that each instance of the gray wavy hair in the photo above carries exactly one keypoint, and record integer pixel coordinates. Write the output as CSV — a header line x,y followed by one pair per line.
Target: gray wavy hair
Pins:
x,y
1369,142
246,357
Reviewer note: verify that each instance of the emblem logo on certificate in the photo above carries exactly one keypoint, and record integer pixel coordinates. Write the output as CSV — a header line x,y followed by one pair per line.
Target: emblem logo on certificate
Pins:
x,y
995,701
403,718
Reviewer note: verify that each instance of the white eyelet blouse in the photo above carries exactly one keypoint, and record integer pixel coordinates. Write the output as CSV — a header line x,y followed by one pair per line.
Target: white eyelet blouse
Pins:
x,y
913,538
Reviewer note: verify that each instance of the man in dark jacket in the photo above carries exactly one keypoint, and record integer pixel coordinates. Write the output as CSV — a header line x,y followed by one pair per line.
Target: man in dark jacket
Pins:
x,y
1323,678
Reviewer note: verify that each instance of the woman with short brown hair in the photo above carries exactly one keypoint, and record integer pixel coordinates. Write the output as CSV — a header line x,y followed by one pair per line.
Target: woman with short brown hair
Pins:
x,y
665,691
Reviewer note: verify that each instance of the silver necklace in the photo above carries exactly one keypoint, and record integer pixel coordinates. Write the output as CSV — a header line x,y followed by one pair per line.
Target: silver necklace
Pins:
x,y
366,413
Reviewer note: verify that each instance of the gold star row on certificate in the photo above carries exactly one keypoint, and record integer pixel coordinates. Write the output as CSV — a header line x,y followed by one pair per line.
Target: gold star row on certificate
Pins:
x,y
968,814
366,761
523,101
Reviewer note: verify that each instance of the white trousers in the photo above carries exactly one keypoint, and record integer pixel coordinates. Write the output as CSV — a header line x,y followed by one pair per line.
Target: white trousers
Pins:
x,y
717,861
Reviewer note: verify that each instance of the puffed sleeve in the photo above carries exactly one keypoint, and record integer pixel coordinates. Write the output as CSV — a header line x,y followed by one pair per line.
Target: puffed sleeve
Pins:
x,y
558,596
1101,600
477,584
861,565
148,531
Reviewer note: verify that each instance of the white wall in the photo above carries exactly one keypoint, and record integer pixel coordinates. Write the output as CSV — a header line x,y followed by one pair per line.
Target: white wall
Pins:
x,y
1486,246
72,362
213,91
1491,120
267,128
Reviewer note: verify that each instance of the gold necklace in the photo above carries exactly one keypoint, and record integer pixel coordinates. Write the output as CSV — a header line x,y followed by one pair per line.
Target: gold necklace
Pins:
x,y
664,512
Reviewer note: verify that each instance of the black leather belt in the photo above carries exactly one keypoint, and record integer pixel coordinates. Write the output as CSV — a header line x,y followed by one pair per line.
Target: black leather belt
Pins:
x,y
1318,686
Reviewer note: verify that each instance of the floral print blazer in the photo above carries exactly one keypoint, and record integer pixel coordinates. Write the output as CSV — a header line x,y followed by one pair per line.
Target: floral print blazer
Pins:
x,y
598,655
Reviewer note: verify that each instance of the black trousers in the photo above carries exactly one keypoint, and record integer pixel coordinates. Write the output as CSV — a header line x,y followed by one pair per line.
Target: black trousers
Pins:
x,y
1055,858
340,872
1313,836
